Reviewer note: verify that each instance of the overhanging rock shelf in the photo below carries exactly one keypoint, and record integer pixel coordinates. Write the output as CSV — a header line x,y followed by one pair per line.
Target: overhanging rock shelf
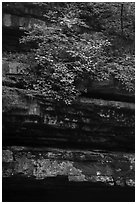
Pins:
x,y
94,123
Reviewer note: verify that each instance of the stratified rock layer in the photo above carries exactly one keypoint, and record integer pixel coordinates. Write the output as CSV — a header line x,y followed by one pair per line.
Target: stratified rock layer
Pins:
x,y
111,168
99,124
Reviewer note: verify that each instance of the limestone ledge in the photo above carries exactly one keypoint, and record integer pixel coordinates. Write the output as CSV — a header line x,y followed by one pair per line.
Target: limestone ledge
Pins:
x,y
110,168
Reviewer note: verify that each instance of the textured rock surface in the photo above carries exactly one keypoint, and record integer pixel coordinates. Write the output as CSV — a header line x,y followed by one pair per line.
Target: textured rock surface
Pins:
x,y
100,124
111,168
10,20
16,18
32,120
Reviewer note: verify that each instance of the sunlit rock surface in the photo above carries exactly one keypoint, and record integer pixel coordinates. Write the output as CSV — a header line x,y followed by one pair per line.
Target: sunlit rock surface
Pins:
x,y
110,168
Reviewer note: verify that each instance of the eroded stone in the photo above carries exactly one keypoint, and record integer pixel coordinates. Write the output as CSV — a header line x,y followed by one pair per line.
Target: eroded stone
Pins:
x,y
7,156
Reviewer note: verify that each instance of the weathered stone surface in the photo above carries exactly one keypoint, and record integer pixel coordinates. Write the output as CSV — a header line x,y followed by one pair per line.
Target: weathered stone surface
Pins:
x,y
14,21
98,123
109,168
21,9
7,156
16,18
7,20
5,67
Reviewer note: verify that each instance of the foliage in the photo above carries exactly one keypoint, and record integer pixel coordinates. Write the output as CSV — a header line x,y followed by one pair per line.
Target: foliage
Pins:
x,y
62,60
115,18
77,45
123,69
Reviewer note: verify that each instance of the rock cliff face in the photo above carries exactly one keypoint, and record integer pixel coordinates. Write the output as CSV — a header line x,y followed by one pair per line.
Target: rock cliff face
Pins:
x,y
16,18
94,123
45,174
102,130
92,140
109,168
103,118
